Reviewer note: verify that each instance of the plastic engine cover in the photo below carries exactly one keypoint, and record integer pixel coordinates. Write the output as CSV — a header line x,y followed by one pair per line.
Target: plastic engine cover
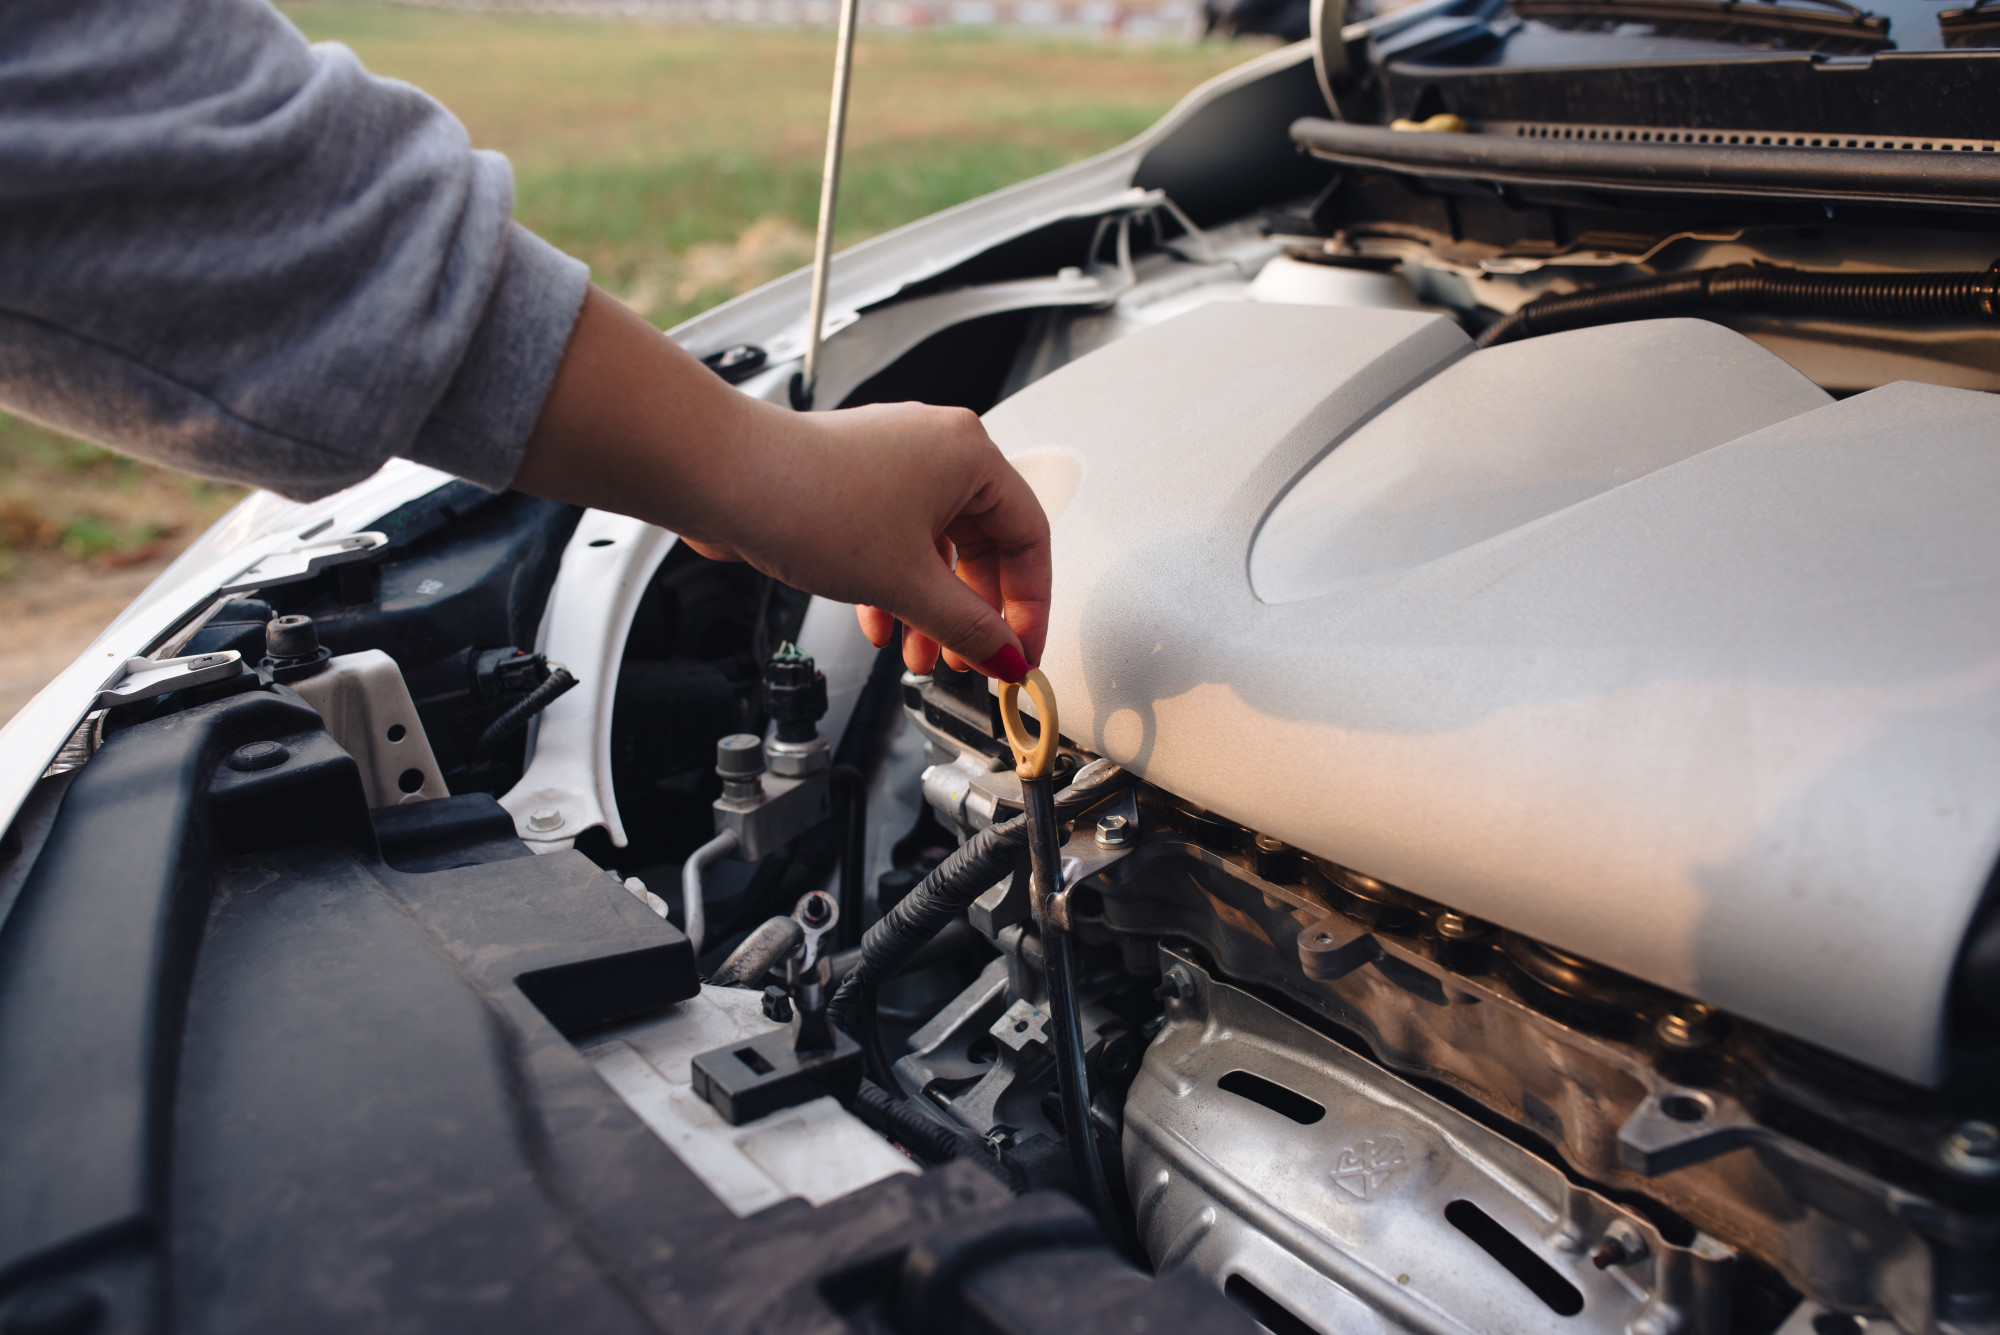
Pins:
x,y
1628,639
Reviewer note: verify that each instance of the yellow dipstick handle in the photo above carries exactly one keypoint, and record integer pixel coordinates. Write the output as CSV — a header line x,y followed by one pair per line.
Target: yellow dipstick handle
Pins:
x,y
1034,757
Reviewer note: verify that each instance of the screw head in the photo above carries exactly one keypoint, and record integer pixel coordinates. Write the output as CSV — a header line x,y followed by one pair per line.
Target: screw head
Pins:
x,y
544,819
1973,1147
1115,831
1459,927
1690,1025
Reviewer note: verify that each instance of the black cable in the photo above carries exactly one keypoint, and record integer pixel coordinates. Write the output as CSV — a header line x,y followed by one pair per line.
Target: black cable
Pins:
x,y
851,793
1066,1010
866,735
517,716
1764,288
894,940
931,1139
971,870
865,1027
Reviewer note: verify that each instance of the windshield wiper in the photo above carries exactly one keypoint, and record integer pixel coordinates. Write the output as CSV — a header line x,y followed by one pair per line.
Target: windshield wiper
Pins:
x,y
1976,25
1827,22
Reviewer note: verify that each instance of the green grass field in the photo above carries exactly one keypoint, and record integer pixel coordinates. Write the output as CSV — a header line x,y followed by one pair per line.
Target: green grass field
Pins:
x,y
682,163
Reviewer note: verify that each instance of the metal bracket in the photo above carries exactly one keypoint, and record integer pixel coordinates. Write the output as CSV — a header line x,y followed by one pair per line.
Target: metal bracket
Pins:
x,y
817,914
305,561
144,678
1673,1128
784,808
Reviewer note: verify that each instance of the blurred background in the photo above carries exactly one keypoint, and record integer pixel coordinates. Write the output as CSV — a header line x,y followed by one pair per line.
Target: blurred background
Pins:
x,y
675,146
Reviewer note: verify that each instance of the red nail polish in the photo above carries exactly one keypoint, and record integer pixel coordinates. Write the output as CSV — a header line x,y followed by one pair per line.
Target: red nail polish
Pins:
x,y
1007,665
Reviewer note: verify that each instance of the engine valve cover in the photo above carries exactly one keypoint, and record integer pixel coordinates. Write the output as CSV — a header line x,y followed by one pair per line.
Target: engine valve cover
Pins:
x,y
1627,639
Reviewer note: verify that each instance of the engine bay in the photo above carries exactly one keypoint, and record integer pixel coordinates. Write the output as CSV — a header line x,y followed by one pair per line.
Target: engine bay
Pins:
x,y
1525,778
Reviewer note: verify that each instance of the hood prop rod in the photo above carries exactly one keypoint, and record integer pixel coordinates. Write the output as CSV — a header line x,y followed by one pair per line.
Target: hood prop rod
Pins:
x,y
807,378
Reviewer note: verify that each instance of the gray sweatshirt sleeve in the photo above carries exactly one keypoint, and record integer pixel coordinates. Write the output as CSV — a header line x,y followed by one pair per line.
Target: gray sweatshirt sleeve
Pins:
x,y
243,256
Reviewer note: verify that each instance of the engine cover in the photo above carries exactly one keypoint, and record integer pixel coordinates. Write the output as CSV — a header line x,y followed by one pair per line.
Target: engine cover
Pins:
x,y
1628,639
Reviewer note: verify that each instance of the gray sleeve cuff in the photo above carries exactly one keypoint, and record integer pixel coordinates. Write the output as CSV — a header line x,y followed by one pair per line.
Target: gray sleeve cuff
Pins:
x,y
480,427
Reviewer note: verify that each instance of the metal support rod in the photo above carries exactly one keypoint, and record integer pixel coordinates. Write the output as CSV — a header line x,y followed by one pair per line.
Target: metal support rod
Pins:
x,y
1065,1007
829,195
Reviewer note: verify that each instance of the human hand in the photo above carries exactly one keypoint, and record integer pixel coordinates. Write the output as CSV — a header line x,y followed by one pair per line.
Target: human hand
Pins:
x,y
865,505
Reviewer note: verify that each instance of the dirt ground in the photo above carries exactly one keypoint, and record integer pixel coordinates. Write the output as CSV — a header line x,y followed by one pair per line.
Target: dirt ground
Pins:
x,y
51,610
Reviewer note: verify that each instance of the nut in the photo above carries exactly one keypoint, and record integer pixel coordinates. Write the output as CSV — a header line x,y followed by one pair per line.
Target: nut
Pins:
x,y
1689,1025
1115,831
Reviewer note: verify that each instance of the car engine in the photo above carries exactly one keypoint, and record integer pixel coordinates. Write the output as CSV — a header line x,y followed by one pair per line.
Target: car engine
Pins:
x,y
1525,672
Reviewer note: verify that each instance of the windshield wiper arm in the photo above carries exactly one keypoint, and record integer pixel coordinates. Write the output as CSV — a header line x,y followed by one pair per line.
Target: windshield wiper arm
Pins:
x,y
1833,18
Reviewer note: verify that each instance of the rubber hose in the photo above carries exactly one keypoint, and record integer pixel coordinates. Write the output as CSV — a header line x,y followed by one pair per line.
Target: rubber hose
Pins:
x,y
931,1139
1746,287
517,716
746,966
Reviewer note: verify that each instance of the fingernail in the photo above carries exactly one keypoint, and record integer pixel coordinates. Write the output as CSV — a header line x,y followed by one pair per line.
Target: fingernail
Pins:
x,y
1007,665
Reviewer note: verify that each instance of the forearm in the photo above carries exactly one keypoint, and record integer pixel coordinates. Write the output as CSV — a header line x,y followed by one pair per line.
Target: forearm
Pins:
x,y
903,509
635,424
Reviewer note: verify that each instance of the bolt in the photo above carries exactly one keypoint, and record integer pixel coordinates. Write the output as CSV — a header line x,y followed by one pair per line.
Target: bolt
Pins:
x,y
544,819
1176,984
1689,1025
1459,927
777,1005
1114,832
1973,1147
1622,1245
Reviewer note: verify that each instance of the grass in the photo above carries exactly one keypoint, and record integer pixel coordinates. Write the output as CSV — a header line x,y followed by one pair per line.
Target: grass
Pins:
x,y
64,500
681,162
